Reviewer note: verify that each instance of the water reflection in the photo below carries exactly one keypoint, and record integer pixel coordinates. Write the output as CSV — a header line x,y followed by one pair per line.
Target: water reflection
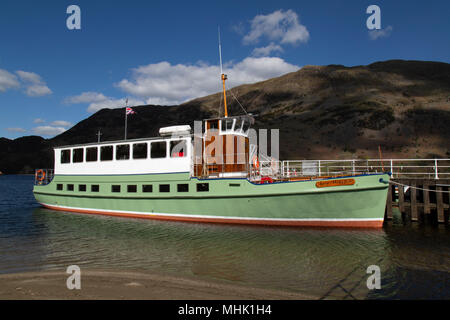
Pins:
x,y
327,263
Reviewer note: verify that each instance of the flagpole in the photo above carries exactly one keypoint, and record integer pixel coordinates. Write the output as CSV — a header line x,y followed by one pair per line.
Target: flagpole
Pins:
x,y
126,118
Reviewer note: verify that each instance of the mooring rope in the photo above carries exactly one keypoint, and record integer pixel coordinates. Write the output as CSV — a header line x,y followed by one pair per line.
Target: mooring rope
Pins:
x,y
405,185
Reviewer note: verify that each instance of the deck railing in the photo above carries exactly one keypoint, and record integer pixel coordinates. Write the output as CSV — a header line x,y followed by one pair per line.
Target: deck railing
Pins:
x,y
399,168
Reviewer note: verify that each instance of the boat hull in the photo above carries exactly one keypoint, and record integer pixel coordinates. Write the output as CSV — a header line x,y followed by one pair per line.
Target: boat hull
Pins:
x,y
299,203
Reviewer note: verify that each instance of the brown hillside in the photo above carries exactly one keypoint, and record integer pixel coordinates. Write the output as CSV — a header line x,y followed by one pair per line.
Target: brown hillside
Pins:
x,y
344,112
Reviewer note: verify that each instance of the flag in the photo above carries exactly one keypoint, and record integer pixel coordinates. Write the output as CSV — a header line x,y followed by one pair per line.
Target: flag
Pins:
x,y
129,111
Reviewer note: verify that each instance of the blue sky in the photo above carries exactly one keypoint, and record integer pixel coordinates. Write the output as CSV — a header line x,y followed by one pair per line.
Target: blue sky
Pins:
x,y
165,52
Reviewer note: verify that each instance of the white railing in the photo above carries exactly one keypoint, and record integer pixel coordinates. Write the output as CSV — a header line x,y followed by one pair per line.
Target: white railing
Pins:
x,y
398,168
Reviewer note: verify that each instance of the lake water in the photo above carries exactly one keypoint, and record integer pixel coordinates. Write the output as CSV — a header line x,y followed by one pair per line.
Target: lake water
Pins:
x,y
328,263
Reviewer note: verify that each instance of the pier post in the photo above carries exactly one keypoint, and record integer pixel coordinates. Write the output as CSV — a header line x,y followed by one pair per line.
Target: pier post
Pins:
x,y
401,198
436,169
440,204
413,192
389,203
426,198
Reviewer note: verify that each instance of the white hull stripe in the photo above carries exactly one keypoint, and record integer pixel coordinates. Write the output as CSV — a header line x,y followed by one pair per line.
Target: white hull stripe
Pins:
x,y
208,216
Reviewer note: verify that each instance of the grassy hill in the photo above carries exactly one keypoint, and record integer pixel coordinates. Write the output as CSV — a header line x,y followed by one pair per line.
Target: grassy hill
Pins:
x,y
323,112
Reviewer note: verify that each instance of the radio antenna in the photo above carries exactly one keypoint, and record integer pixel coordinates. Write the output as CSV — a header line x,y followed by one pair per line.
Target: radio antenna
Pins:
x,y
223,76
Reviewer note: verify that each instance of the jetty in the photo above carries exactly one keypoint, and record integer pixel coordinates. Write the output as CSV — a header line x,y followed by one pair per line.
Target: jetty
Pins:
x,y
419,188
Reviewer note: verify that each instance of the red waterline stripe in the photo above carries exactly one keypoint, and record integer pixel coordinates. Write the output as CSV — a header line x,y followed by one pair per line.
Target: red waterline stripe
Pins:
x,y
304,223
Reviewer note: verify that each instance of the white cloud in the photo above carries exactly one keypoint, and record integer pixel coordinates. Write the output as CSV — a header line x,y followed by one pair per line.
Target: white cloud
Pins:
x,y
266,51
164,83
38,120
282,26
8,81
35,87
381,33
112,103
16,130
98,101
48,130
61,123
86,97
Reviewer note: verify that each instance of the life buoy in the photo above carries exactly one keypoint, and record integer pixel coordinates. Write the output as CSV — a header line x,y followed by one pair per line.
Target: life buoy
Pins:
x,y
266,179
40,175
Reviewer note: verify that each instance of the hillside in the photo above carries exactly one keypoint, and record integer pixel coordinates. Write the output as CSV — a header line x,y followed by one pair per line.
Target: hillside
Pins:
x,y
323,112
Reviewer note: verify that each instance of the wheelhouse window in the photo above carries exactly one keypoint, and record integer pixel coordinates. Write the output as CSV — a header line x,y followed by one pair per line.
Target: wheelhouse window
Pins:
x,y
91,154
158,149
106,153
183,187
65,156
95,188
70,187
140,151
123,152
59,187
178,149
115,188
82,187
245,126
227,124
132,188
78,155
213,124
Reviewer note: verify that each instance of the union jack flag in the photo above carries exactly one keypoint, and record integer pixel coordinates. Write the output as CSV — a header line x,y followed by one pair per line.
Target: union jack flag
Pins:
x,y
129,111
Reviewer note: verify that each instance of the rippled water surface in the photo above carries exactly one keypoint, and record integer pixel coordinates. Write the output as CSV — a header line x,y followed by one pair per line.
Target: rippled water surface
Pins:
x,y
327,263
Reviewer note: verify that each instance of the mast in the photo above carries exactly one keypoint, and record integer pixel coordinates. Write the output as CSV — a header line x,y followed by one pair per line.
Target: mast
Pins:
x,y
223,77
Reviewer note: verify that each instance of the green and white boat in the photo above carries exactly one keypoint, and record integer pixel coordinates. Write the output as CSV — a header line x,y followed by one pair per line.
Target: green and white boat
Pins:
x,y
179,176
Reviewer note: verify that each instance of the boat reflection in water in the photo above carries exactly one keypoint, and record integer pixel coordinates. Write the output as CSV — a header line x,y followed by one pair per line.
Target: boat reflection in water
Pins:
x,y
327,263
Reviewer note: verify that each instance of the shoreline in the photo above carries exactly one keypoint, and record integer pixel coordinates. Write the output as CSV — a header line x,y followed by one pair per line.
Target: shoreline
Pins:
x,y
130,285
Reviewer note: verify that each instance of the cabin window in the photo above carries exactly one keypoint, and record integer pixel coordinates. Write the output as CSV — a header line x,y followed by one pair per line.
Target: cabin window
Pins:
x,y
123,152
183,187
115,188
158,149
164,188
106,153
82,187
132,188
59,187
65,156
178,149
91,154
140,151
202,187
78,155
147,188
70,187
95,188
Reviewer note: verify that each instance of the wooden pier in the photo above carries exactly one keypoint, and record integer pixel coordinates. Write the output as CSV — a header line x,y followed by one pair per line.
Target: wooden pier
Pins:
x,y
421,200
